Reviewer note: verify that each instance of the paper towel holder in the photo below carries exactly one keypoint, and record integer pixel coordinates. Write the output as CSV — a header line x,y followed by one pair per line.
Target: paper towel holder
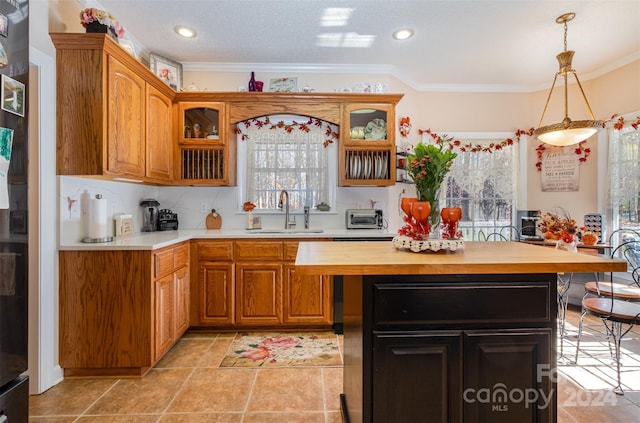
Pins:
x,y
97,240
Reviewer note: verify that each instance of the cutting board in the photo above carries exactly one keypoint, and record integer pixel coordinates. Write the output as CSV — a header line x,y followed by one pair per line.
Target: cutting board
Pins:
x,y
214,220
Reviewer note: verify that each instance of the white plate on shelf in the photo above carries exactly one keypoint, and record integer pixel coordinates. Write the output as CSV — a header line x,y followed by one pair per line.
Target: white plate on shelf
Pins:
x,y
367,167
352,175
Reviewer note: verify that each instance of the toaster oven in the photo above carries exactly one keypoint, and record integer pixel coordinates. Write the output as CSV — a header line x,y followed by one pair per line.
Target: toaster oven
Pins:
x,y
364,219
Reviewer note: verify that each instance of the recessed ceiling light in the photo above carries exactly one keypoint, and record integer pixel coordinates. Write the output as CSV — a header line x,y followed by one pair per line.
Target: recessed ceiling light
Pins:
x,y
185,31
403,34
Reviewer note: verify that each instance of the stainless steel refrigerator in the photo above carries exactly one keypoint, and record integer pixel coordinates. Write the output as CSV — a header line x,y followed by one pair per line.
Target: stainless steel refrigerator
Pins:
x,y
14,207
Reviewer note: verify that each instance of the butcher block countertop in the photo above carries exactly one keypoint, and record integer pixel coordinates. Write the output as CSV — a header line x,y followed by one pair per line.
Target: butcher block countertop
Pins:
x,y
382,258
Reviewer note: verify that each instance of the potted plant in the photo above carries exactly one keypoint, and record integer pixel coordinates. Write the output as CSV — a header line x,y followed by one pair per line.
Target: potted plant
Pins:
x,y
101,21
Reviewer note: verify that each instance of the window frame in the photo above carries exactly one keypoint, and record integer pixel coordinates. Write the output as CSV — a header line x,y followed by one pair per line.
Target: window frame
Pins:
x,y
242,168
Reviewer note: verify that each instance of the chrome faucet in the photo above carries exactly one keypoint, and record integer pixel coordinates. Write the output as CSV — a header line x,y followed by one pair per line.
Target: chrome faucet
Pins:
x,y
306,217
284,203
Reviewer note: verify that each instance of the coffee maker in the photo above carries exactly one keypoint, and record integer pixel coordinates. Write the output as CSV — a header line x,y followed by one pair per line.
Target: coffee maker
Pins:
x,y
149,215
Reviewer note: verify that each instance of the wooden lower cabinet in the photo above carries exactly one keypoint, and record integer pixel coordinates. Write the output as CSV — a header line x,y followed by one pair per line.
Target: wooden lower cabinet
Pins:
x,y
163,325
308,298
253,283
258,293
121,311
215,304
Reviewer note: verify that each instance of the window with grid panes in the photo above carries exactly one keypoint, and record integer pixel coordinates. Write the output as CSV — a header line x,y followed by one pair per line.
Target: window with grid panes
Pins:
x,y
295,161
484,185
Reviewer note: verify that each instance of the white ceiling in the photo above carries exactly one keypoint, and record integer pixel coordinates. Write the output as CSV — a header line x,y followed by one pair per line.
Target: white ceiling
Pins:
x,y
468,45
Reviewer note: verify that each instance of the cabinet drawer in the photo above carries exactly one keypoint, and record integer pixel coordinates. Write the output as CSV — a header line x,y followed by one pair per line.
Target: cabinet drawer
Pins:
x,y
181,256
258,250
163,263
215,251
398,304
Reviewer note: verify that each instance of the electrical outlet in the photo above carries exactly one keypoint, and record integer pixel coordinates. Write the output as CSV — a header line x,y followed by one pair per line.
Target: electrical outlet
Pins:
x,y
203,208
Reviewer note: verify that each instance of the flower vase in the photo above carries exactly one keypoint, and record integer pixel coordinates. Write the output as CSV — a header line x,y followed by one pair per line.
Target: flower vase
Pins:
x,y
567,246
249,220
97,27
432,195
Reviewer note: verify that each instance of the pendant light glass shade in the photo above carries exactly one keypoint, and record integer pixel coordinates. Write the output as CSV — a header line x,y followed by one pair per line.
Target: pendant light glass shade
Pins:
x,y
567,132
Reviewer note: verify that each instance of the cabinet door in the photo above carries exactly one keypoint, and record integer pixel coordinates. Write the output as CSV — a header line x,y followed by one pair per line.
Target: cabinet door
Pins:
x,y
417,375
307,298
126,120
258,293
505,365
216,294
163,313
181,308
159,163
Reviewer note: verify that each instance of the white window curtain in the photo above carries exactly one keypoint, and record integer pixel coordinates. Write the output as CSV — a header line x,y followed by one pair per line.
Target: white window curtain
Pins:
x,y
295,161
624,177
484,185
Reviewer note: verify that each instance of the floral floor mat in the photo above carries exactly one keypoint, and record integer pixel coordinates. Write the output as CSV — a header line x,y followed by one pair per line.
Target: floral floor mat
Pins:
x,y
278,349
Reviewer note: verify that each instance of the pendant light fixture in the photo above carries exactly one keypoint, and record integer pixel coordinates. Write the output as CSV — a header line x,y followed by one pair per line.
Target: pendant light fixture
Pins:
x,y
567,132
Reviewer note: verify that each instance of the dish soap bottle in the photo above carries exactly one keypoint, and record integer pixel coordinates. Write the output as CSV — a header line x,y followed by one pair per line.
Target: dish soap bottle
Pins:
x,y
252,82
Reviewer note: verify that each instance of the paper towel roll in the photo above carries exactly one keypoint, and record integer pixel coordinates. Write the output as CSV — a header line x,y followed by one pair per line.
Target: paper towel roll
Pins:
x,y
98,217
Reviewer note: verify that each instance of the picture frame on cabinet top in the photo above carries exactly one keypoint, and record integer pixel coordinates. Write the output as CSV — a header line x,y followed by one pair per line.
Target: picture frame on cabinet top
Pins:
x,y
168,70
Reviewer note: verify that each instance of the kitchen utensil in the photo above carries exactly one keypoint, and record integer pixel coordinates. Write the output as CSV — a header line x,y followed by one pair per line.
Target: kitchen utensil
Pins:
x,y
149,215
213,220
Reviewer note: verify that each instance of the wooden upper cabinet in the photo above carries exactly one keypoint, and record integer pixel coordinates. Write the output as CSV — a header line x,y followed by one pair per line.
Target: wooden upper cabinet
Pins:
x,y
205,151
367,145
159,142
111,109
126,93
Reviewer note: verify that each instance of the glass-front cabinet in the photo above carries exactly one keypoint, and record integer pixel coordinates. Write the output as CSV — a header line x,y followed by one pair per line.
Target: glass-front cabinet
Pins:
x,y
203,146
367,145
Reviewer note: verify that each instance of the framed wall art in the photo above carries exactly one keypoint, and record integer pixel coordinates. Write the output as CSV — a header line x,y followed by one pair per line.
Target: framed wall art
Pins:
x,y
4,25
283,85
12,94
168,70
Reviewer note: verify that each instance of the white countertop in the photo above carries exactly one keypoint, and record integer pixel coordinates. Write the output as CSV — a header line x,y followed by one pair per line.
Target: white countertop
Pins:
x,y
160,239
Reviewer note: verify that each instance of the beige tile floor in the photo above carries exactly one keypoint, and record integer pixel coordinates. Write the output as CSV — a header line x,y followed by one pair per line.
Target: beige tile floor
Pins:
x,y
188,386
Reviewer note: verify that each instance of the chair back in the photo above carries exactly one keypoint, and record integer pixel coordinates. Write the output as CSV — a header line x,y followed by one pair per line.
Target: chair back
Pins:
x,y
510,232
493,236
628,251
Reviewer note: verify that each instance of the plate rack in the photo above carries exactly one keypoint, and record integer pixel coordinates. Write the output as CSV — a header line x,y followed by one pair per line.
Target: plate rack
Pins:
x,y
366,165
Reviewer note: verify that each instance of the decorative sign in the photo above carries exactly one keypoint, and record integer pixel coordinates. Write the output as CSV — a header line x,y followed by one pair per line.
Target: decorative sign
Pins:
x,y
560,170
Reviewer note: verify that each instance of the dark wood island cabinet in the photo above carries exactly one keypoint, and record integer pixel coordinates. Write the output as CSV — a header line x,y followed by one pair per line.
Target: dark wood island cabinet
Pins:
x,y
448,337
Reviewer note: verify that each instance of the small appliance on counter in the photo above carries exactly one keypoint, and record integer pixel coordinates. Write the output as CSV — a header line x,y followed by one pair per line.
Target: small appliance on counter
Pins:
x,y
595,222
149,215
528,224
167,220
364,219
123,224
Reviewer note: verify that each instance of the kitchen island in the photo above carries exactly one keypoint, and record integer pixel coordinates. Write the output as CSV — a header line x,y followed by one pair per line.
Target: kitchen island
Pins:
x,y
452,337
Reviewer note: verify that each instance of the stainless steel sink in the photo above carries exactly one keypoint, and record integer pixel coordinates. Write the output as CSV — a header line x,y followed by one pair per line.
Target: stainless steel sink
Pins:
x,y
287,231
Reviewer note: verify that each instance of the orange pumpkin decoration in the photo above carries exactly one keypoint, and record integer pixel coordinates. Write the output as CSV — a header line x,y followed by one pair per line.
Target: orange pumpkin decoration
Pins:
x,y
589,238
